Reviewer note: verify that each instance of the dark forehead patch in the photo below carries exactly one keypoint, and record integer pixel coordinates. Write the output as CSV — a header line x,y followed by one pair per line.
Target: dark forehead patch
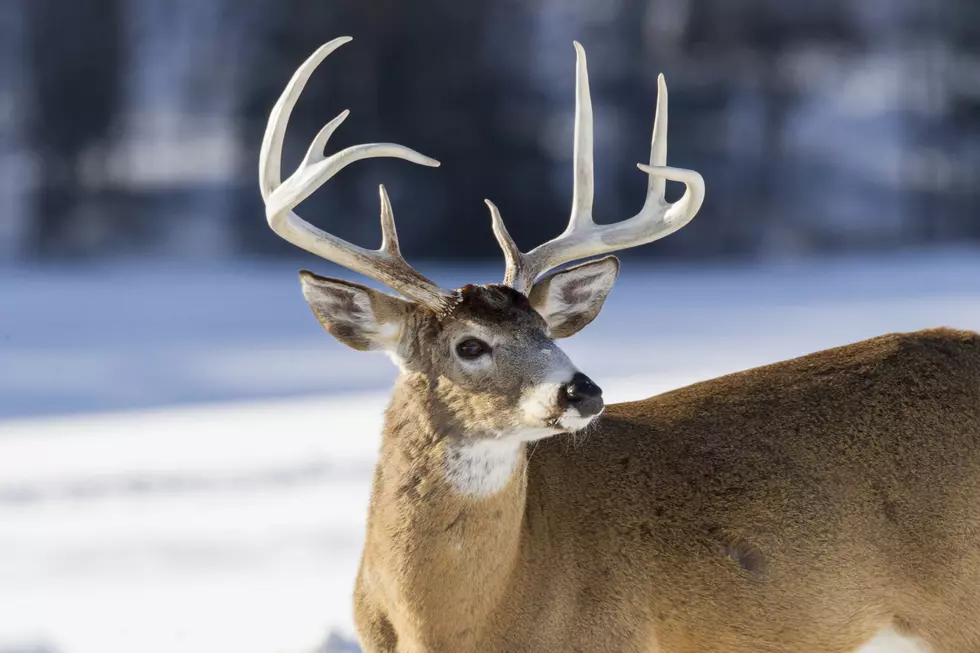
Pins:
x,y
491,302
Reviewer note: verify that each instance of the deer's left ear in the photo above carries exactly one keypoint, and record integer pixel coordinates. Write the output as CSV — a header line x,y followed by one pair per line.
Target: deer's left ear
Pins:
x,y
569,299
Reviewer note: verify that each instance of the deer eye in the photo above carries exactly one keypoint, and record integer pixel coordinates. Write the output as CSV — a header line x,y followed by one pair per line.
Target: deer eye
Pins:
x,y
472,348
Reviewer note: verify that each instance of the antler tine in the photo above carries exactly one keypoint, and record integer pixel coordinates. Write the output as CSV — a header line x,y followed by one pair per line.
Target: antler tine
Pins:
x,y
386,264
583,238
656,185
513,258
583,186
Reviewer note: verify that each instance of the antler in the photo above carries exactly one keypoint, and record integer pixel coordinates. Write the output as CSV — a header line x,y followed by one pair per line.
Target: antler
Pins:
x,y
385,264
583,237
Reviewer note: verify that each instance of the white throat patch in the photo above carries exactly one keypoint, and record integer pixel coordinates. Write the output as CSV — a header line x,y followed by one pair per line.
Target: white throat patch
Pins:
x,y
482,467
890,641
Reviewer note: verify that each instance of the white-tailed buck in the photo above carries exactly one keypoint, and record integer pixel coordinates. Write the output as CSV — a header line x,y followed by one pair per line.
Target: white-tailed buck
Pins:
x,y
826,504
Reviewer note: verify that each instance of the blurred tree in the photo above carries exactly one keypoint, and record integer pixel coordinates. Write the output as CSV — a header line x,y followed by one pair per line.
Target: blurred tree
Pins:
x,y
76,62
952,210
441,81
818,126
16,172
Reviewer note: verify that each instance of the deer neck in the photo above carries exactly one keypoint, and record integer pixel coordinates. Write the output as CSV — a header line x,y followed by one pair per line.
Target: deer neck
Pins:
x,y
445,523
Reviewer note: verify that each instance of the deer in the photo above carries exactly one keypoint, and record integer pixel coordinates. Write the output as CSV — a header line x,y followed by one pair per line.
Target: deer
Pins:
x,y
829,503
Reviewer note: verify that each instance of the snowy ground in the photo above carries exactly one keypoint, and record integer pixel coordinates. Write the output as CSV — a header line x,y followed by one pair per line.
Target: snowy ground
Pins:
x,y
184,457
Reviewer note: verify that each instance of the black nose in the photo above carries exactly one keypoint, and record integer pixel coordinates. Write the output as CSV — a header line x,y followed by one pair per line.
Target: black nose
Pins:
x,y
584,395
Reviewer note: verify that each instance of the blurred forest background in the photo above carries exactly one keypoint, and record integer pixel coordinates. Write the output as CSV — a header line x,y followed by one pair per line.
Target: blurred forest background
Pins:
x,y
184,453
131,128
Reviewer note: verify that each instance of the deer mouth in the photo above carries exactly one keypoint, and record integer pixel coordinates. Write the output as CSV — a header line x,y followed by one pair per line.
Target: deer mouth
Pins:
x,y
571,421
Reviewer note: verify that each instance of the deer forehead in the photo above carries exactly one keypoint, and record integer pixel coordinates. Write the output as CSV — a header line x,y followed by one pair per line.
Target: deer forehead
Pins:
x,y
492,303
523,334
492,313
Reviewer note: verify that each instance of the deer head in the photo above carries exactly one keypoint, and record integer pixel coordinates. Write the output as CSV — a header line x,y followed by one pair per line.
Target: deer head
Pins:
x,y
487,351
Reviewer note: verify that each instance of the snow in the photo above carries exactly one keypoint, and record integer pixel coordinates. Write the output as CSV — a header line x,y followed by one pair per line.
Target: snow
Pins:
x,y
185,458
134,337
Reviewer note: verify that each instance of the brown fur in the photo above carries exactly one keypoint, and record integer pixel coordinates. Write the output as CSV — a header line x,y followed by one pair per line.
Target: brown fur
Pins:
x,y
798,507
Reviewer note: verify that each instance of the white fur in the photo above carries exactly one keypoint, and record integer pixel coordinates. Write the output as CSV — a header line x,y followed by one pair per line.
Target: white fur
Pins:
x,y
389,332
538,403
529,434
385,335
890,641
482,467
328,302
572,421
598,278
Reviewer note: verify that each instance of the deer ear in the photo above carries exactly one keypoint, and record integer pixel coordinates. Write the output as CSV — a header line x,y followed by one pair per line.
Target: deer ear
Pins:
x,y
358,316
569,299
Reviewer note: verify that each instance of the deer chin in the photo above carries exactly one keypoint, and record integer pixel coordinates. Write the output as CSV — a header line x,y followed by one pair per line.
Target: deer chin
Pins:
x,y
569,420
528,433
572,421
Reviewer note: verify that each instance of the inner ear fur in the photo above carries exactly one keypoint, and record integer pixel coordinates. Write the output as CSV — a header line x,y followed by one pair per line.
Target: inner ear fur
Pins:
x,y
570,299
360,317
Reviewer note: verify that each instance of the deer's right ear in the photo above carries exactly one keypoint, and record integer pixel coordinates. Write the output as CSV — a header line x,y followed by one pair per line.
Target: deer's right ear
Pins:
x,y
358,316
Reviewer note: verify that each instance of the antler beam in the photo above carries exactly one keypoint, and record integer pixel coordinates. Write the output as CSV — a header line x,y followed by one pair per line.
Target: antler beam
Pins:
x,y
583,237
386,264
